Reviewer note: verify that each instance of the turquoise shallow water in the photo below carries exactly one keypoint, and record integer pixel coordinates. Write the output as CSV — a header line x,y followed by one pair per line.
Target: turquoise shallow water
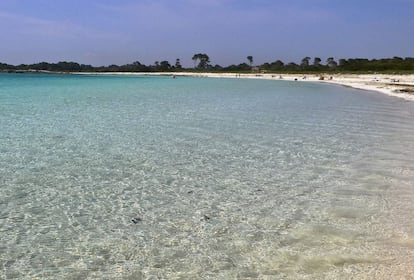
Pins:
x,y
117,177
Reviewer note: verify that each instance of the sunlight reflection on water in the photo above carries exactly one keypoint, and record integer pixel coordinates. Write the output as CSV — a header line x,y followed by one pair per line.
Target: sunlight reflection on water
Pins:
x,y
192,178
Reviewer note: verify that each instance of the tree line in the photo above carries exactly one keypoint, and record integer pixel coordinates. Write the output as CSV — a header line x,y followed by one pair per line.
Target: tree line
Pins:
x,y
202,63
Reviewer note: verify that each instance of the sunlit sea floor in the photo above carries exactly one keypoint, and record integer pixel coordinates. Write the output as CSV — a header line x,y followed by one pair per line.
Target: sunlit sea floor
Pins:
x,y
195,178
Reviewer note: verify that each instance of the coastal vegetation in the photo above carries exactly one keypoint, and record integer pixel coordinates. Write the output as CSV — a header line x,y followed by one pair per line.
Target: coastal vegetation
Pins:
x,y
202,63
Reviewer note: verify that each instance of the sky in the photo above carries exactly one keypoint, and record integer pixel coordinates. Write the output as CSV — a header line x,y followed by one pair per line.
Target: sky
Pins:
x,y
104,32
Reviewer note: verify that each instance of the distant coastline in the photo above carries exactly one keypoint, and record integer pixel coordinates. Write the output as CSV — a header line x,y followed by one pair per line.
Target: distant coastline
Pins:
x,y
401,86
202,63
397,85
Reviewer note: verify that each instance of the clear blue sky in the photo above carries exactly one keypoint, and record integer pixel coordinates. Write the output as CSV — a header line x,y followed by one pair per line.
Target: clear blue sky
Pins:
x,y
102,32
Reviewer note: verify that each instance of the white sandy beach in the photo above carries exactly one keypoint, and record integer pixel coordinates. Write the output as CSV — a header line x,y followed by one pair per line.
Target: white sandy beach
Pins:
x,y
401,86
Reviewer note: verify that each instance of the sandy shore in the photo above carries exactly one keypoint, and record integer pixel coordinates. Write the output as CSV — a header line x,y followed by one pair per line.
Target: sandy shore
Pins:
x,y
401,86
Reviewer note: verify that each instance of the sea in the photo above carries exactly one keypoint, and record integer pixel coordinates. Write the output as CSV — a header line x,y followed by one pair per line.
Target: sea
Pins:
x,y
155,177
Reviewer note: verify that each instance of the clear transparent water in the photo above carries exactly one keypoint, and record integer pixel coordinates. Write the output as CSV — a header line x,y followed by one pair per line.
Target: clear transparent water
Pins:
x,y
195,178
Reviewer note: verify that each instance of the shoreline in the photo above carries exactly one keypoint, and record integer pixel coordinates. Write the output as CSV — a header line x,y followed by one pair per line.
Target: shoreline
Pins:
x,y
401,86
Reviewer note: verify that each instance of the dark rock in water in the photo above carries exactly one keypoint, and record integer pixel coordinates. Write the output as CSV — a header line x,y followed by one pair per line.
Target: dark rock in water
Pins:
x,y
190,192
136,220
206,218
